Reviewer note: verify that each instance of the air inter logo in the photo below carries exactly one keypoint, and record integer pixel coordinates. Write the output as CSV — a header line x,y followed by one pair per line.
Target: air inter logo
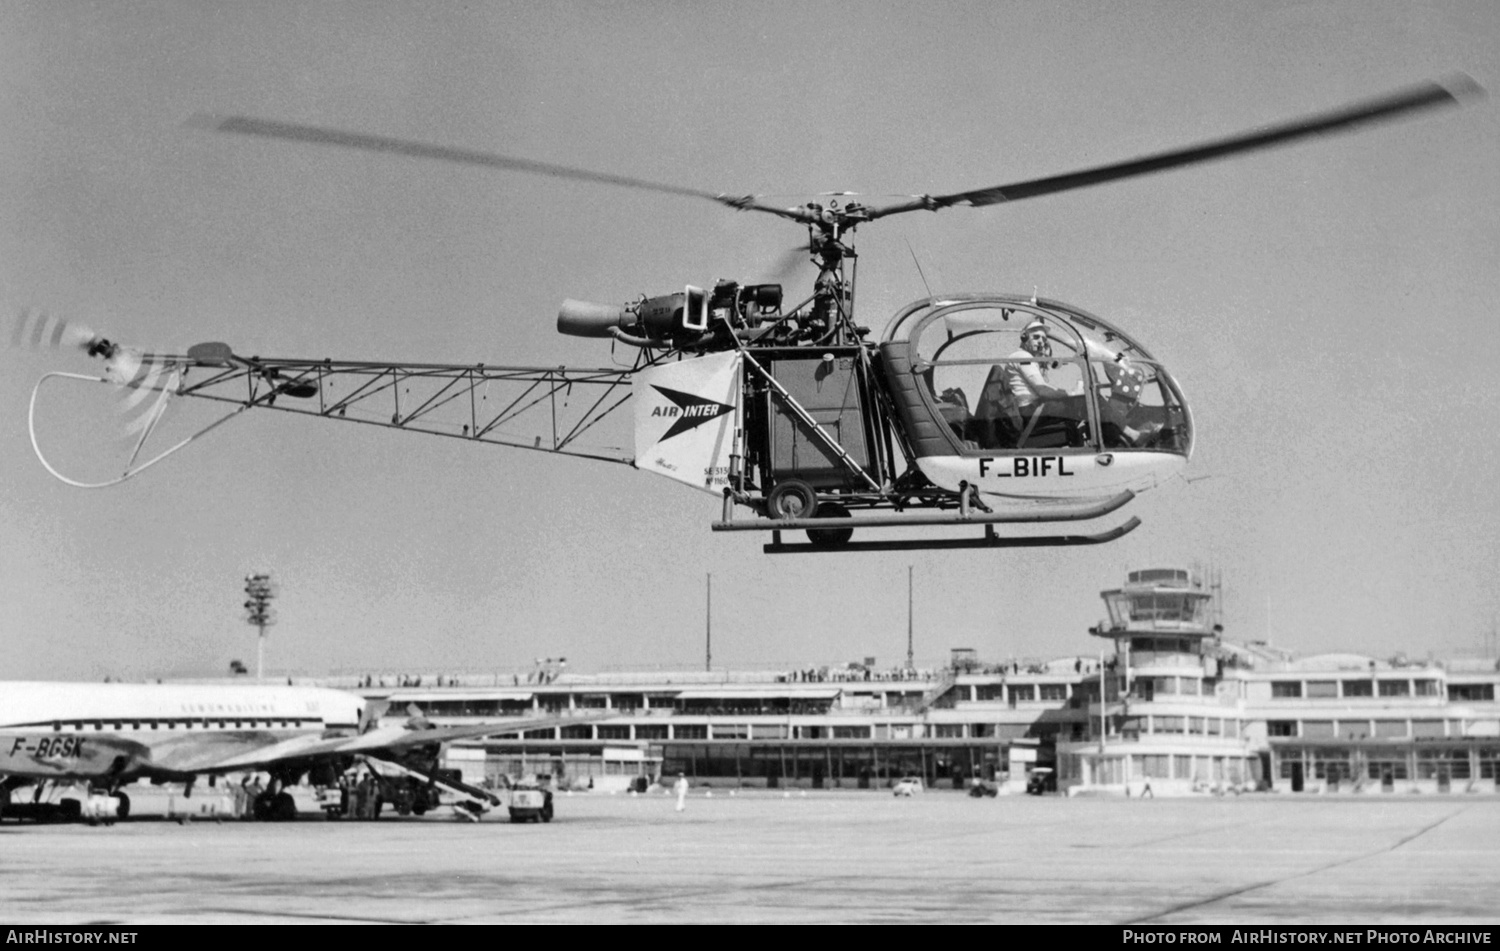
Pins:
x,y
691,411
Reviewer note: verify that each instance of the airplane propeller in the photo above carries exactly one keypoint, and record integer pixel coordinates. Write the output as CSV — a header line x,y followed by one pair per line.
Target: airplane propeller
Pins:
x,y
370,714
416,719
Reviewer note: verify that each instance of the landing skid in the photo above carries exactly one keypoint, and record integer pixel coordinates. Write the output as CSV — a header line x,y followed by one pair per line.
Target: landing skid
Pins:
x,y
964,516
988,540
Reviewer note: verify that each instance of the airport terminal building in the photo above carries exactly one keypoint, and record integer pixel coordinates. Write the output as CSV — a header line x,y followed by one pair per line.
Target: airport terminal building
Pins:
x,y
1169,707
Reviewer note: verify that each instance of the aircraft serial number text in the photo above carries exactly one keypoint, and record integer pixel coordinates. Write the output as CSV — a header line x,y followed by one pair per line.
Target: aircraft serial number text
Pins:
x,y
1026,466
48,746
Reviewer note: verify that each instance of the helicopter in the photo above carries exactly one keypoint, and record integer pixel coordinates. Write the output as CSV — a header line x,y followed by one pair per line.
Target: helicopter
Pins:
x,y
796,414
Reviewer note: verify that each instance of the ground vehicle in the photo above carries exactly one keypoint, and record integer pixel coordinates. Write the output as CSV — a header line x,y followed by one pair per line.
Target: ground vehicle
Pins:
x,y
407,795
39,810
910,786
529,802
1042,780
795,414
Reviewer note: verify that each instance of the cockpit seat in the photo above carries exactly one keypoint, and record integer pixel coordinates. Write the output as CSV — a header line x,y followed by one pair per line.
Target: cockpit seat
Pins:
x,y
997,423
953,406
930,434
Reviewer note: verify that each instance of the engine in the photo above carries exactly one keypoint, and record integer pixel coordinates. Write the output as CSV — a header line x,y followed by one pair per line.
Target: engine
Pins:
x,y
691,319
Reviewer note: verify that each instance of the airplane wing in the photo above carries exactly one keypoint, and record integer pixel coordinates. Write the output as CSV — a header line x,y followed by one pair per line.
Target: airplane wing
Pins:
x,y
65,756
392,739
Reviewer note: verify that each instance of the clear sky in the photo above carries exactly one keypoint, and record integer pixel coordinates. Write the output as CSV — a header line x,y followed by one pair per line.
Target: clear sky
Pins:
x,y
1330,310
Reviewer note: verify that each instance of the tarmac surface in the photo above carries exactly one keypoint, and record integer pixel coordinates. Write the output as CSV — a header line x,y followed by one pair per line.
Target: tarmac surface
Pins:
x,y
766,856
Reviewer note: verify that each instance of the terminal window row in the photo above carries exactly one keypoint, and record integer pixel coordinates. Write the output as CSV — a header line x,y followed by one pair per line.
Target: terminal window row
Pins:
x,y
1203,769
1118,768
1150,687
1347,763
1202,726
783,731
1017,693
1377,729
1133,727
1366,687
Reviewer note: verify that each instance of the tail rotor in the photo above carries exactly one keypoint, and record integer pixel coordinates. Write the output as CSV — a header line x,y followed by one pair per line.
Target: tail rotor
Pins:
x,y
38,330
143,384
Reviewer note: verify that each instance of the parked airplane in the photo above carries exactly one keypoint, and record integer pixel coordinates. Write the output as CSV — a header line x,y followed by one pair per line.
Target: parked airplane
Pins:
x,y
111,734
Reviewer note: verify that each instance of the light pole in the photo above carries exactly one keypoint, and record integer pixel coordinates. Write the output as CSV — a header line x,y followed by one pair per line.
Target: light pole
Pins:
x,y
258,611
910,663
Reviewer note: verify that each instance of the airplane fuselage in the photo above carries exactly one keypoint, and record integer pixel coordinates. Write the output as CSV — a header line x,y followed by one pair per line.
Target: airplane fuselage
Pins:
x,y
94,731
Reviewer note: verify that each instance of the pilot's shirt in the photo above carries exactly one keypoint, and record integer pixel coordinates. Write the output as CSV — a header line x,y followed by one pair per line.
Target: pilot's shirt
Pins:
x,y
1028,381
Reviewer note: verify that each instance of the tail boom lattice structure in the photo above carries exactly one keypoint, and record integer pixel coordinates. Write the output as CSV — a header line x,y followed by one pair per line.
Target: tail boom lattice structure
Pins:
x,y
558,406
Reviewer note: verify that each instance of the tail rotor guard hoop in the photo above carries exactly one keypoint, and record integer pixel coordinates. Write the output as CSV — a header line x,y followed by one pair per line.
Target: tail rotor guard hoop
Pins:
x,y
131,470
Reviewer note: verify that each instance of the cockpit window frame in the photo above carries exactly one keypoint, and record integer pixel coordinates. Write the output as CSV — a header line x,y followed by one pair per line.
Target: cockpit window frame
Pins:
x,y
1085,334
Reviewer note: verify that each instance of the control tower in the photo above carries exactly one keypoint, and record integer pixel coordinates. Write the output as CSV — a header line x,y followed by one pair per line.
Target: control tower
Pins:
x,y
1161,721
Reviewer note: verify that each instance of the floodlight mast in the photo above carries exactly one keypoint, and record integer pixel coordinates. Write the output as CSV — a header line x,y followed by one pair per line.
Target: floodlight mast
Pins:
x,y
258,612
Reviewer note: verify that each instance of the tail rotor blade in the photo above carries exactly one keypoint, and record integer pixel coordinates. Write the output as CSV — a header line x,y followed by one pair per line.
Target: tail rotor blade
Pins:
x,y
37,330
128,366
161,382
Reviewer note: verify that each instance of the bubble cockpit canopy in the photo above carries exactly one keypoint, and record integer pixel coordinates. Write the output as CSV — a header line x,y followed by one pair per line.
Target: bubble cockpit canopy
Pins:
x,y
1087,386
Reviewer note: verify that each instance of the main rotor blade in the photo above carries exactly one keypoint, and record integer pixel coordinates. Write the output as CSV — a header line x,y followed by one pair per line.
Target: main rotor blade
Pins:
x,y
1398,105
318,135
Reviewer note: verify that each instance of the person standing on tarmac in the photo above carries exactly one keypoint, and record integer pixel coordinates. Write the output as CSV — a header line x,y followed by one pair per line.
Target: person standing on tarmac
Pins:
x,y
681,789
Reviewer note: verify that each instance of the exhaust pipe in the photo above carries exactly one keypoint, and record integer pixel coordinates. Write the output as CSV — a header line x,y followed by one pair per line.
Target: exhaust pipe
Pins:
x,y
579,318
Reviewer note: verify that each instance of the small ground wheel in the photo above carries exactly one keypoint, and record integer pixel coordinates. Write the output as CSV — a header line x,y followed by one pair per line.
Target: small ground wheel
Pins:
x,y
830,537
283,807
791,498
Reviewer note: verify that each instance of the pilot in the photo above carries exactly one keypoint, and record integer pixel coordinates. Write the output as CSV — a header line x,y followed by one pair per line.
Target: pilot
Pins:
x,y
1037,402
1028,381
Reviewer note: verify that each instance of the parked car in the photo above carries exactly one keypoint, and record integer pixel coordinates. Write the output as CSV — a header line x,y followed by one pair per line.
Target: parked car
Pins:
x,y
909,786
1043,779
529,802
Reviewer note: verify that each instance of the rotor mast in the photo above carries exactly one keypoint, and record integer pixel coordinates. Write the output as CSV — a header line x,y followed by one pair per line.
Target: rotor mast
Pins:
x,y
828,231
